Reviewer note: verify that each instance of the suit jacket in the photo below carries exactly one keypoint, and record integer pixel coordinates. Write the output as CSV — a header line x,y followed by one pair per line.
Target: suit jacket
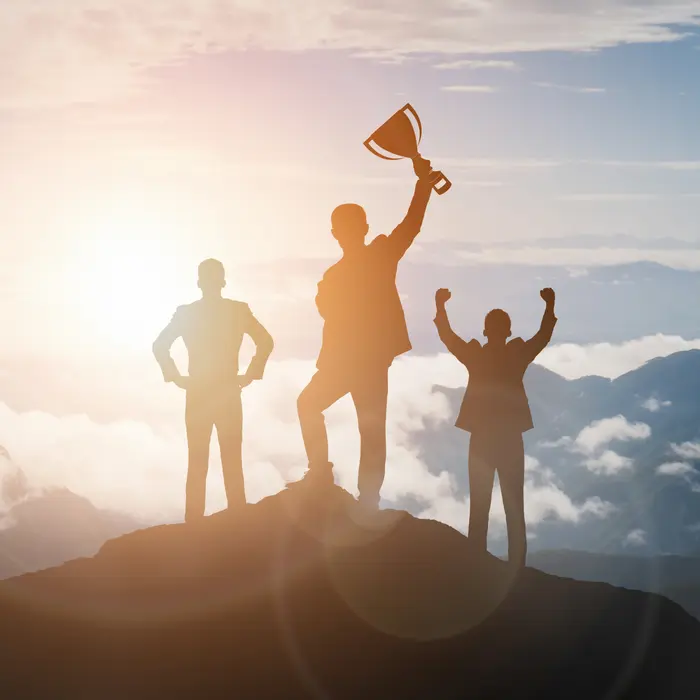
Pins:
x,y
213,330
495,400
364,322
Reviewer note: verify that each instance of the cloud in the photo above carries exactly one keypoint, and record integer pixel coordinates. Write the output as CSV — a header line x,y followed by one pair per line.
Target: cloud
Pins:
x,y
678,258
553,444
677,165
502,164
653,405
601,433
475,64
636,538
138,466
688,450
469,88
613,197
675,469
82,50
609,463
544,500
611,360
593,440
571,88
683,470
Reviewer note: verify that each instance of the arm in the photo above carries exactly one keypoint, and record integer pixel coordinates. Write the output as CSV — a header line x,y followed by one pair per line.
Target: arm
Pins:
x,y
162,345
405,233
263,348
540,340
462,350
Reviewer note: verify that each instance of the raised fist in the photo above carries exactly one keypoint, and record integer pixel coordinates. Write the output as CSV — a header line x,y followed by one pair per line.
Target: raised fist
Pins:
x,y
548,295
442,296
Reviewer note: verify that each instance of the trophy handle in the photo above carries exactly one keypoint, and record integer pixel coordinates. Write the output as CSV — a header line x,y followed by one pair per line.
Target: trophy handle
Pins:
x,y
372,149
446,184
409,108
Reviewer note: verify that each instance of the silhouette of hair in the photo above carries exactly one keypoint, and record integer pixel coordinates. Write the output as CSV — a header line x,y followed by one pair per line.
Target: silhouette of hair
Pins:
x,y
348,216
497,322
211,272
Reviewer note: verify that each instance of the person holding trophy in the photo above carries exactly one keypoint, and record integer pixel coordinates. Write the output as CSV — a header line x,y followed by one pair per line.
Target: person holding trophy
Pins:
x,y
364,328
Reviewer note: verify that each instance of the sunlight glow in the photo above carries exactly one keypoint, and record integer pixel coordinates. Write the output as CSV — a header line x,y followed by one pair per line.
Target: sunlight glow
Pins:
x,y
128,275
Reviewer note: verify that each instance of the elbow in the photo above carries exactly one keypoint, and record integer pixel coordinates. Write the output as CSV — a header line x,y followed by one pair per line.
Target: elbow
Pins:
x,y
267,345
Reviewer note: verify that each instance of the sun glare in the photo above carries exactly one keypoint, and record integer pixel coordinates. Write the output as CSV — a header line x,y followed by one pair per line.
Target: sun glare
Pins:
x,y
128,278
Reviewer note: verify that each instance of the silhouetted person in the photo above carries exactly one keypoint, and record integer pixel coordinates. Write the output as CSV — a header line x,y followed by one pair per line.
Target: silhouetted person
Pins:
x,y
364,330
212,330
496,412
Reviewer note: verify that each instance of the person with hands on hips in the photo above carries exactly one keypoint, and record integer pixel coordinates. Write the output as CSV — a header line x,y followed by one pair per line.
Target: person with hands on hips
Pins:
x,y
212,329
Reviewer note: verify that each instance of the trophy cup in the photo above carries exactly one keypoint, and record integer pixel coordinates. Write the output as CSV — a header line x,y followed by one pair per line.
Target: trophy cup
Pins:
x,y
397,138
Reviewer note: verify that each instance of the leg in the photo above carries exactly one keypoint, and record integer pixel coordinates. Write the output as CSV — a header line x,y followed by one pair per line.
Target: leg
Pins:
x,y
511,473
324,389
370,397
229,430
481,475
199,424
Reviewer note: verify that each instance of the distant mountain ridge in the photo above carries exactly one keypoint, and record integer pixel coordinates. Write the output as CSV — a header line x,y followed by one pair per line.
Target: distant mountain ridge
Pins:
x,y
43,528
678,578
666,508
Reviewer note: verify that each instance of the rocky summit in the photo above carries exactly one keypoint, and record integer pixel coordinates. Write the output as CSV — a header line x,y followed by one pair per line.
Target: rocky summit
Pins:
x,y
308,595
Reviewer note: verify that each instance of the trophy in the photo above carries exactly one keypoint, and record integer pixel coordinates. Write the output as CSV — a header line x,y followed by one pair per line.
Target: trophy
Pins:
x,y
397,138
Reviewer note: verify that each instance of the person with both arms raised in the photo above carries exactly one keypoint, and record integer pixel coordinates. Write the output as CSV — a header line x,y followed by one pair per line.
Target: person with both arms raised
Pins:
x,y
496,412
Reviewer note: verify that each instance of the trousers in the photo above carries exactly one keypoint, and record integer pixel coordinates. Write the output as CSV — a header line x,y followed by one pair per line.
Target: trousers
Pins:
x,y
502,453
369,389
207,407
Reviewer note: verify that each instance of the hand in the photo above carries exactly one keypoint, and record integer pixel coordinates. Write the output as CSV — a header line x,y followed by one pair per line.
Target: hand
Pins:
x,y
548,296
442,296
422,168
244,381
182,382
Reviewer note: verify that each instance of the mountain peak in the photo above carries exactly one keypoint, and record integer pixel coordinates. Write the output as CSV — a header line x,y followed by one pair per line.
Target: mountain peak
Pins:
x,y
303,596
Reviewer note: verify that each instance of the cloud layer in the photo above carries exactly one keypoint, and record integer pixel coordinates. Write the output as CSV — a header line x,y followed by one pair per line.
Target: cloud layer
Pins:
x,y
612,359
138,466
76,50
601,433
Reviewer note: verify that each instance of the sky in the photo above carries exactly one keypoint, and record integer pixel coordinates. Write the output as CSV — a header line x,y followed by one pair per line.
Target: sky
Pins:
x,y
140,138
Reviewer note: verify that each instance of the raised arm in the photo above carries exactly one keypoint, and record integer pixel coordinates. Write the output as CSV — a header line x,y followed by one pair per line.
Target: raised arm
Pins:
x,y
162,345
540,340
462,350
405,233
263,348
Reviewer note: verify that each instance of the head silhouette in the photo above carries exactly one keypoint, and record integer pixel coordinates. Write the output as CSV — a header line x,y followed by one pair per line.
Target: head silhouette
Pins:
x,y
212,277
349,226
497,326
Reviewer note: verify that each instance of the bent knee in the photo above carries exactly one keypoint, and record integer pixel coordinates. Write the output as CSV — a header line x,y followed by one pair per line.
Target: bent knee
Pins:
x,y
305,403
